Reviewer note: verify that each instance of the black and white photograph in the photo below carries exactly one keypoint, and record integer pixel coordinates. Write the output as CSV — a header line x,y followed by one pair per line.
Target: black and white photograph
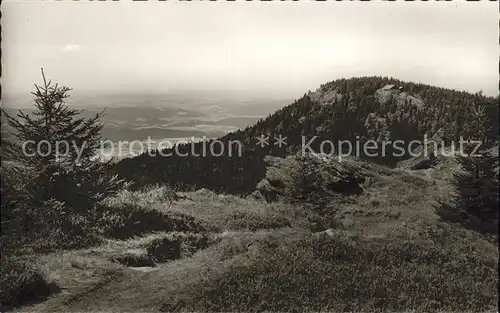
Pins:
x,y
249,156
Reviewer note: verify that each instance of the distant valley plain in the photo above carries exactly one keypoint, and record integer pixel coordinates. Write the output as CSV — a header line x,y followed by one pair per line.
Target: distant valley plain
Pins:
x,y
161,117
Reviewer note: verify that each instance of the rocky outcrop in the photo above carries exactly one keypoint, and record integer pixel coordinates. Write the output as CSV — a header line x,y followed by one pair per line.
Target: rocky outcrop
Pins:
x,y
295,175
325,97
428,154
401,98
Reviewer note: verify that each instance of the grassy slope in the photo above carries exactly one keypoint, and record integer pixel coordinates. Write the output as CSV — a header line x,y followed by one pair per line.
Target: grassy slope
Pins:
x,y
390,252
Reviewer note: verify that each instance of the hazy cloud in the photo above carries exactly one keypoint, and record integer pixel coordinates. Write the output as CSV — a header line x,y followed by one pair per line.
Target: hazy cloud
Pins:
x,y
71,47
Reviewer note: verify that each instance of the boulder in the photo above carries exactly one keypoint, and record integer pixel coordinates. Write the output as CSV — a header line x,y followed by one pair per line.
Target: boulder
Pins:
x,y
294,176
257,195
267,191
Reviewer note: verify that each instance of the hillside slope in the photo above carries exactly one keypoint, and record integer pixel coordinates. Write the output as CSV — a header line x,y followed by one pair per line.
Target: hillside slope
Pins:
x,y
356,110
383,249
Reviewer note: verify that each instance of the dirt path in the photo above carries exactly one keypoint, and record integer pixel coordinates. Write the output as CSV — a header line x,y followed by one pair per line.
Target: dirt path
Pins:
x,y
91,282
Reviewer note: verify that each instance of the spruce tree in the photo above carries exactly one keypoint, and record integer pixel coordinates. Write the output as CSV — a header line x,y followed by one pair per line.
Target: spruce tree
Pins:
x,y
61,146
476,182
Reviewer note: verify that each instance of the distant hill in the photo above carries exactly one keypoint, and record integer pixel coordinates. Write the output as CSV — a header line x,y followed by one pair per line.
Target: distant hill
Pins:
x,y
363,108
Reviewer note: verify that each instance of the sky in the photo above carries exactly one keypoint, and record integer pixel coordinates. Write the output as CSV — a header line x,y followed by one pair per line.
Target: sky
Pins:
x,y
279,49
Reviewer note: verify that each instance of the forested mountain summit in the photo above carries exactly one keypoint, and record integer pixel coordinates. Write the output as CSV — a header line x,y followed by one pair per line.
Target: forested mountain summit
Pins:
x,y
356,110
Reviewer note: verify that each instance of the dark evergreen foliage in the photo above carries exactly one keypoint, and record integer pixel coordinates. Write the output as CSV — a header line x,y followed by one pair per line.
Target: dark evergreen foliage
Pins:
x,y
353,113
477,182
53,163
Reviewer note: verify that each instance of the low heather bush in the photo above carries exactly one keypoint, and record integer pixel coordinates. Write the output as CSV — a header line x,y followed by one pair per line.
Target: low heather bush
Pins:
x,y
21,282
419,267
